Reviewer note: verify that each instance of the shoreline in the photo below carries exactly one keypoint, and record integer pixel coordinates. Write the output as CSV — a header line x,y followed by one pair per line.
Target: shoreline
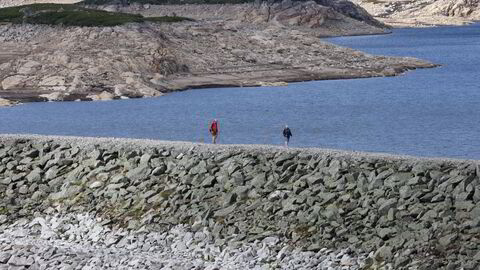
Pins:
x,y
404,25
222,80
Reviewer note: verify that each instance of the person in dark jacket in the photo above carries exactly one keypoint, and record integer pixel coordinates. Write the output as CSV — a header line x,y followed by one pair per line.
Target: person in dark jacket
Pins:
x,y
287,133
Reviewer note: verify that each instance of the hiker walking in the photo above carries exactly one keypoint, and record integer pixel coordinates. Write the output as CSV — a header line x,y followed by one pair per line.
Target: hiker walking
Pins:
x,y
214,130
287,133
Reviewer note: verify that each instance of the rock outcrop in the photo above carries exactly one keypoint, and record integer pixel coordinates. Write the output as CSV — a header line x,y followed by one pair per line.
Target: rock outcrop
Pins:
x,y
312,14
423,12
6,102
144,60
138,196
338,17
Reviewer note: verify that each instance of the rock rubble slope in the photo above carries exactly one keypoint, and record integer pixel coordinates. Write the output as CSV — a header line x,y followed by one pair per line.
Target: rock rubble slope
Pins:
x,y
83,202
39,62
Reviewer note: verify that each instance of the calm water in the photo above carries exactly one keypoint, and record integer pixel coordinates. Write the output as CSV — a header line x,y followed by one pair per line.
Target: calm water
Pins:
x,y
433,112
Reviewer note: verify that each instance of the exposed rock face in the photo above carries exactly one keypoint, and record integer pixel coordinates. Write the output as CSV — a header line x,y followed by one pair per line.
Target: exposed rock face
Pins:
x,y
338,17
140,60
423,12
79,62
406,213
12,82
469,9
352,10
313,14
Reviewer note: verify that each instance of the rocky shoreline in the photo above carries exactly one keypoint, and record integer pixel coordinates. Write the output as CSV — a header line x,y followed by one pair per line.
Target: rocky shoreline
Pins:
x,y
83,202
54,63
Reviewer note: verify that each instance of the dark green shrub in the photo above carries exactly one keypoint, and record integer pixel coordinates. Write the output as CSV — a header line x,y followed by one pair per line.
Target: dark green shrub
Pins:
x,y
73,15
83,18
11,14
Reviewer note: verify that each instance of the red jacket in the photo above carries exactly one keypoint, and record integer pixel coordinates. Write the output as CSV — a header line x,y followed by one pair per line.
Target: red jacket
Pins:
x,y
214,128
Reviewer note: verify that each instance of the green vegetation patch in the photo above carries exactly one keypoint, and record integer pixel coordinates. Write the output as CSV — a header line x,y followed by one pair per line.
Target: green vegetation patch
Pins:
x,y
73,15
84,18
11,14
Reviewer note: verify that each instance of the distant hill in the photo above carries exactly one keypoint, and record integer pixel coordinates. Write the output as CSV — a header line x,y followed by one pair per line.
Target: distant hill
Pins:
x,y
423,12
287,7
11,3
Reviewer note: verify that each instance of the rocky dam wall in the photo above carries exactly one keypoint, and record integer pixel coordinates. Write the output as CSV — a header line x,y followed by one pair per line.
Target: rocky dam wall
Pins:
x,y
90,203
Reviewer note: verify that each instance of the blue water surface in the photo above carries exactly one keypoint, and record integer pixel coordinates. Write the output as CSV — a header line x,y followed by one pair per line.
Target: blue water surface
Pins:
x,y
429,112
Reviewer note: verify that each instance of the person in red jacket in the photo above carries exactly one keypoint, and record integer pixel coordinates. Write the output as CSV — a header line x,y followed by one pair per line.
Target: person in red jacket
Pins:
x,y
214,130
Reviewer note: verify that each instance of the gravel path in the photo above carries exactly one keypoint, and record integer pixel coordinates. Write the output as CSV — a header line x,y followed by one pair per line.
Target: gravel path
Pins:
x,y
143,143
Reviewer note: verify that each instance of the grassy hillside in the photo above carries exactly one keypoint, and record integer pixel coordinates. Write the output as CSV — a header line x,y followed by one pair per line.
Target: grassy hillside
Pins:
x,y
73,15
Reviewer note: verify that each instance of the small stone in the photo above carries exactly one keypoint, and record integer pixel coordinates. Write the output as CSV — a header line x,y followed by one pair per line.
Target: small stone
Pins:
x,y
386,206
34,176
385,233
283,252
225,211
159,170
270,241
3,219
283,157
32,153
96,184
384,253
4,257
276,195
446,240
315,247
401,261
21,261
145,159
346,260
209,182
23,189
138,173
405,192
259,180
51,173
229,199
242,192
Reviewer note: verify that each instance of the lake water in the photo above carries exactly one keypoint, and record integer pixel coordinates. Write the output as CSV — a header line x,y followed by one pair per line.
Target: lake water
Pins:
x,y
431,112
